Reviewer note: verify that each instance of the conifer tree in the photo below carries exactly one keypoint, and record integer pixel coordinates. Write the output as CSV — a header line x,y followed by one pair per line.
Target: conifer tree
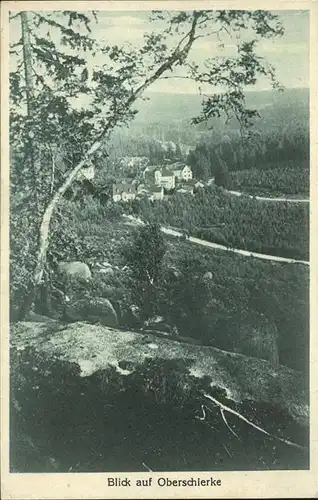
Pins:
x,y
53,140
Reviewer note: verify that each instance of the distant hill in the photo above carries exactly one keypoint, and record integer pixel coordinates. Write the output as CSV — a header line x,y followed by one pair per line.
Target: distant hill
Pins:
x,y
167,117
173,108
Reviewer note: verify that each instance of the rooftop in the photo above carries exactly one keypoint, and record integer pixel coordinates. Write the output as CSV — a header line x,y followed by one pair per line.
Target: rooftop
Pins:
x,y
178,165
152,168
156,189
124,186
185,188
165,172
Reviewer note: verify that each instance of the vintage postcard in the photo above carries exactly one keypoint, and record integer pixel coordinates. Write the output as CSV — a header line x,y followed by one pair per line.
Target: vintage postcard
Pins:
x,y
158,251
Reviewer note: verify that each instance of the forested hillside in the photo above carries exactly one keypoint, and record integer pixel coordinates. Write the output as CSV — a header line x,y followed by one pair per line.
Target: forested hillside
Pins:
x,y
133,345
272,160
239,295
168,108
282,151
290,179
215,215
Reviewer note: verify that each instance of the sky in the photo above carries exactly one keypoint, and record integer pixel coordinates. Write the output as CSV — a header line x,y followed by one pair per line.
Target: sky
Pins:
x,y
289,54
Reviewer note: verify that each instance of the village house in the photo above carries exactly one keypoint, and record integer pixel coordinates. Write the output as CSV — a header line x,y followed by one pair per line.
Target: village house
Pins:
x,y
186,189
162,177
167,179
142,189
193,182
199,184
187,173
152,175
134,161
124,191
211,181
181,171
156,193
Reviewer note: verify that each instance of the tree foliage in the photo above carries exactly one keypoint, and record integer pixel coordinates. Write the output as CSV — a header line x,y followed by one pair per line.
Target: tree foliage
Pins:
x,y
244,223
144,257
288,146
187,299
53,139
288,180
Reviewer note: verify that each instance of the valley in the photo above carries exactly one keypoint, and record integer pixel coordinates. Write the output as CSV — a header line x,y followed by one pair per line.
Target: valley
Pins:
x,y
184,324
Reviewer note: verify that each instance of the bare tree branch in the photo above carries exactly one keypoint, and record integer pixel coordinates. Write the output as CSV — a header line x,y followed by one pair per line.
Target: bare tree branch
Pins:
x,y
146,467
226,423
14,16
53,173
248,422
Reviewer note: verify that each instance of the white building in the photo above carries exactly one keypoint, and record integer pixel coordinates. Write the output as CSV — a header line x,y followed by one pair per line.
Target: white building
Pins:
x,y
157,175
182,172
123,191
187,173
134,161
156,193
167,179
185,189
87,173
199,184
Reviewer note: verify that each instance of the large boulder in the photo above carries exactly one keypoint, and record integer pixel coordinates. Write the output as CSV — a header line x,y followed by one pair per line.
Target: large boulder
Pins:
x,y
208,276
97,347
108,271
75,269
111,292
40,318
94,310
122,399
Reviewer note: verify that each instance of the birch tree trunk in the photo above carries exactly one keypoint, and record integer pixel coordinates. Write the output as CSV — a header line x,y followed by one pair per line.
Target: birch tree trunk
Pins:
x,y
179,53
29,90
27,60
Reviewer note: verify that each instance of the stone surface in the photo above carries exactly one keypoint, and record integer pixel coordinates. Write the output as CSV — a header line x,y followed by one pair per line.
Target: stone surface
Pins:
x,y
107,271
208,275
40,318
95,310
95,347
75,269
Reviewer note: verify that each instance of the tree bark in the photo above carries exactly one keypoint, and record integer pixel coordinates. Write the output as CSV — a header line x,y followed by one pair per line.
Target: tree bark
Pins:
x,y
27,60
29,90
178,55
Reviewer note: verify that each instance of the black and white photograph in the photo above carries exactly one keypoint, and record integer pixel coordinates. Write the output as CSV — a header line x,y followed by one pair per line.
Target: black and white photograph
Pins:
x,y
158,190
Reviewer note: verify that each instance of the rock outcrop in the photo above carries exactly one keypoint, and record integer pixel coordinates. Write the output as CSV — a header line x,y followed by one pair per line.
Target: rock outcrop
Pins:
x,y
208,276
94,310
95,347
90,398
75,269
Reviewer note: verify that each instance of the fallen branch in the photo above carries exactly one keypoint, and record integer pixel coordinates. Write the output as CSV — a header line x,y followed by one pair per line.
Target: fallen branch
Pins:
x,y
241,417
146,467
226,423
151,280
203,418
227,451
203,413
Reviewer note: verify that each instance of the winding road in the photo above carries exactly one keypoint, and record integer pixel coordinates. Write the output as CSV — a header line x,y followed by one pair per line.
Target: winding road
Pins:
x,y
265,198
208,244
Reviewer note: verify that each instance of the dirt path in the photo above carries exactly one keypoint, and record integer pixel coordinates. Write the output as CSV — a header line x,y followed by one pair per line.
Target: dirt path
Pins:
x,y
198,241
